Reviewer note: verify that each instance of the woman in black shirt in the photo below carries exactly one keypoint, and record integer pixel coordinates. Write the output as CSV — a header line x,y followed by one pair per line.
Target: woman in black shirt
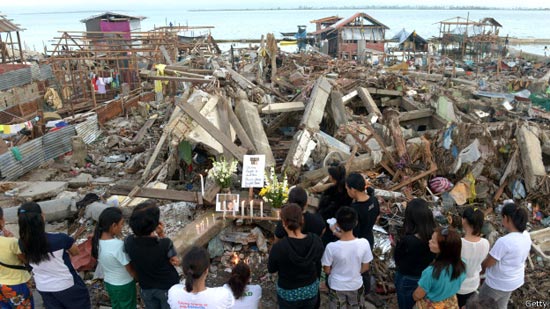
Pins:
x,y
412,252
297,259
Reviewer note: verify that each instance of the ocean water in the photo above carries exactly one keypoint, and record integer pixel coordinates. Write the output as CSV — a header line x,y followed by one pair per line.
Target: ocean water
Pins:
x,y
42,28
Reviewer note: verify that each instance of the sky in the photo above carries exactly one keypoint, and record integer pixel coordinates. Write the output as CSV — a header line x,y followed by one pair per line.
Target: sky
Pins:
x,y
36,6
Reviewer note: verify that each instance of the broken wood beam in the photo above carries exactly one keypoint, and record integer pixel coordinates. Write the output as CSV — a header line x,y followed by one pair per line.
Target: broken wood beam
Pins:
x,y
360,163
348,97
415,178
286,107
250,119
368,102
239,130
161,194
141,133
219,136
182,79
391,117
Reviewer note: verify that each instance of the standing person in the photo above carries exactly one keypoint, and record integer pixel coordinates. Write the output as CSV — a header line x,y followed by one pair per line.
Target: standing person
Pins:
x,y
247,296
505,264
344,261
14,277
48,254
194,292
109,252
474,251
313,222
412,252
152,256
367,208
441,280
334,193
297,259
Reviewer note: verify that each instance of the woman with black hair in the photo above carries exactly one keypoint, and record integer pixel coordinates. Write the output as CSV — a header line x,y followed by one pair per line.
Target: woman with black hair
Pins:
x,y
115,263
48,254
505,264
297,260
195,265
441,280
412,253
335,196
15,289
247,296
474,251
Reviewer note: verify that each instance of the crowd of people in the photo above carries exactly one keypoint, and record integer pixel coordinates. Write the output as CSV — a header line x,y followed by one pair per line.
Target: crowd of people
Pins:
x,y
436,267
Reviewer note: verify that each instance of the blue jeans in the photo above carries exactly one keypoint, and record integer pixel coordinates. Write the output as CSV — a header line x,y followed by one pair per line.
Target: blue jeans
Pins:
x,y
155,298
405,286
300,304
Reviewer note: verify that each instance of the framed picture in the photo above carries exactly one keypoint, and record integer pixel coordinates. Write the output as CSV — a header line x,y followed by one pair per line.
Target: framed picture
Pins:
x,y
227,202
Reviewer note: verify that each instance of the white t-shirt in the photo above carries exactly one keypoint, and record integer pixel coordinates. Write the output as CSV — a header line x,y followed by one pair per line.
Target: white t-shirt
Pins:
x,y
473,254
345,259
113,261
211,298
250,299
510,251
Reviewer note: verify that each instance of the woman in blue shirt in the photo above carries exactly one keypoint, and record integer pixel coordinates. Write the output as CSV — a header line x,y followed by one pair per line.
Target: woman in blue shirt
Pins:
x,y
441,280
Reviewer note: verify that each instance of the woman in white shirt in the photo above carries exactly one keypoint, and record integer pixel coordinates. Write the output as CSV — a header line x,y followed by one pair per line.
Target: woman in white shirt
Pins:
x,y
505,263
194,292
247,296
474,251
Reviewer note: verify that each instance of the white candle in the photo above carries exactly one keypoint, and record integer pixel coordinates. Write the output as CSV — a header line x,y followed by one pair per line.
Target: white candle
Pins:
x,y
251,207
197,228
278,214
261,209
207,223
235,207
242,209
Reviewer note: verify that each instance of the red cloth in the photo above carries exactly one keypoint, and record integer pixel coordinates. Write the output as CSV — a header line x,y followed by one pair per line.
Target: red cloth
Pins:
x,y
116,26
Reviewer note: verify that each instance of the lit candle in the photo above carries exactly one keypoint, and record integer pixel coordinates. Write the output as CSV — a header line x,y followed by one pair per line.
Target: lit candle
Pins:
x,y
235,207
242,209
278,214
261,209
207,223
197,228
251,207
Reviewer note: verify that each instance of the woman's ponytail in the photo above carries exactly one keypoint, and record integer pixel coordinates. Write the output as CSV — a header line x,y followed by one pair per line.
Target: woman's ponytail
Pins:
x,y
239,279
194,264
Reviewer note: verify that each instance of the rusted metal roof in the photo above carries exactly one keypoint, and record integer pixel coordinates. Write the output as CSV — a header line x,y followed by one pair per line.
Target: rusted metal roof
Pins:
x,y
348,20
7,25
326,19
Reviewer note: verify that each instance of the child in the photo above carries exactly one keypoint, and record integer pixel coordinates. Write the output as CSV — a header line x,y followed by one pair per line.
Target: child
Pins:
x,y
151,255
345,260
195,294
14,288
109,251
412,252
474,251
441,280
48,254
247,296
505,264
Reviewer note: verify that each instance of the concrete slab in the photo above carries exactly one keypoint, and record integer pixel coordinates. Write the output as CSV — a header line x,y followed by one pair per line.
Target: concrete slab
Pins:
x,y
198,232
252,124
80,181
40,190
40,174
531,157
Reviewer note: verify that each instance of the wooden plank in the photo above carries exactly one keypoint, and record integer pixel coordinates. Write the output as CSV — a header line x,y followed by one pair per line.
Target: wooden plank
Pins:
x,y
219,136
139,136
161,194
225,125
165,54
368,102
385,92
181,79
417,114
348,97
283,107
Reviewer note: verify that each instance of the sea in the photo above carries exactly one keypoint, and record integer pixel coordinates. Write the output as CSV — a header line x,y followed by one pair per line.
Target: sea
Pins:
x,y
43,27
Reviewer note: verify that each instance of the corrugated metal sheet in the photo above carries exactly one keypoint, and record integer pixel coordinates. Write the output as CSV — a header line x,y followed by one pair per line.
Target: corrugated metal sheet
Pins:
x,y
88,130
7,26
45,72
33,155
10,169
15,78
58,142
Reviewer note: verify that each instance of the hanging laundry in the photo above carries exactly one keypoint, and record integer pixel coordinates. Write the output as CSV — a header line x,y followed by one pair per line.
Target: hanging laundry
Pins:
x,y
94,82
160,72
101,85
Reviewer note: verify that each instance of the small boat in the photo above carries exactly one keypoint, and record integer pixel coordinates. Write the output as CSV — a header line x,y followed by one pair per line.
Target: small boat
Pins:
x,y
287,43
292,34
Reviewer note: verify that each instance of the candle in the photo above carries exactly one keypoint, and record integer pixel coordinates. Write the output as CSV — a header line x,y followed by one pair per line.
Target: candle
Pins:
x,y
197,228
224,209
261,209
234,206
207,223
242,209
278,214
251,207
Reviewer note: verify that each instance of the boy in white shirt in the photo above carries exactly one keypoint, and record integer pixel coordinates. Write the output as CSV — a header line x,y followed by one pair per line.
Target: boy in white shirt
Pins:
x,y
344,261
